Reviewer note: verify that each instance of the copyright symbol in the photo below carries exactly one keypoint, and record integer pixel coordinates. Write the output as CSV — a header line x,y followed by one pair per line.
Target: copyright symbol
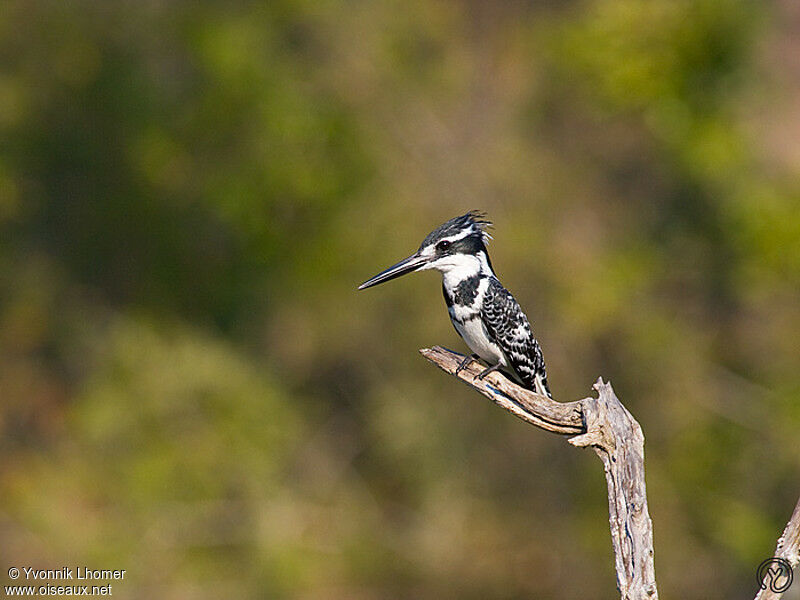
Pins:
x,y
13,572
775,573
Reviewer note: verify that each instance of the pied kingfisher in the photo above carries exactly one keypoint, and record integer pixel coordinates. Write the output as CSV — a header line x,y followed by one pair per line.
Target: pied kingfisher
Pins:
x,y
483,312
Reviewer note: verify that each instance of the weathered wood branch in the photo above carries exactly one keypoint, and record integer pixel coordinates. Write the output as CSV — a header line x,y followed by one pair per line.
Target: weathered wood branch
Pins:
x,y
604,424
788,548
559,417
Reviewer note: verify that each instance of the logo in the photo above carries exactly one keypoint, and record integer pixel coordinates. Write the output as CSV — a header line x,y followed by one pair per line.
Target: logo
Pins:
x,y
775,573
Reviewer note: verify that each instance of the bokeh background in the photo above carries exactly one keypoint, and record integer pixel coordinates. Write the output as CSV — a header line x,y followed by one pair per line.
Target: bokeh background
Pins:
x,y
191,388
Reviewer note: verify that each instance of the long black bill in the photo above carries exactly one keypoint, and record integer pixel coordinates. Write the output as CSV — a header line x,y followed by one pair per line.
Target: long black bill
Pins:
x,y
407,265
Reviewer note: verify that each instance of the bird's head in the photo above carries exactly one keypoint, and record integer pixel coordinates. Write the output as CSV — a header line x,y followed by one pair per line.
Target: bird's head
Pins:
x,y
455,247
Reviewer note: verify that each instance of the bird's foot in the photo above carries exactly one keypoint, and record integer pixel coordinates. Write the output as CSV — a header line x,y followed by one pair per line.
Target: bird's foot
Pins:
x,y
485,372
464,363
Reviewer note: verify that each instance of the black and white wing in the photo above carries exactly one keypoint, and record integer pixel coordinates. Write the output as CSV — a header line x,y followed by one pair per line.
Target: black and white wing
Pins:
x,y
509,327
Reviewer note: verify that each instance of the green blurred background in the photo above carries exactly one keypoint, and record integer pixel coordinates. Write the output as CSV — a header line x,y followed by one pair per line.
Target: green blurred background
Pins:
x,y
192,390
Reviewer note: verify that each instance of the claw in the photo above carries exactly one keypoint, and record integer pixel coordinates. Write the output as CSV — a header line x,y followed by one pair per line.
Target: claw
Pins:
x,y
485,372
463,364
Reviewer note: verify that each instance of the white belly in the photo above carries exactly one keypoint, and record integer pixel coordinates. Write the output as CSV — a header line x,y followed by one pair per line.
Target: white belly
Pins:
x,y
477,338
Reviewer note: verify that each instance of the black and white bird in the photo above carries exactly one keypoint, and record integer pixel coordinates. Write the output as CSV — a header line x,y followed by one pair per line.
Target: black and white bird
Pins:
x,y
484,313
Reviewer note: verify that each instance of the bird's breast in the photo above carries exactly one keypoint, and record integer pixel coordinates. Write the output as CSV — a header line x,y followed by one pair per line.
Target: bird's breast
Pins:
x,y
477,338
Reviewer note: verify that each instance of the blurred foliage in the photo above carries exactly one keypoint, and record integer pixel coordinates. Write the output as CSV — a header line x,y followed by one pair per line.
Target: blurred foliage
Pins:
x,y
194,392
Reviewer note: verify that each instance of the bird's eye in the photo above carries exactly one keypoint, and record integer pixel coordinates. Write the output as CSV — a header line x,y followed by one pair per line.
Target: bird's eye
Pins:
x,y
443,245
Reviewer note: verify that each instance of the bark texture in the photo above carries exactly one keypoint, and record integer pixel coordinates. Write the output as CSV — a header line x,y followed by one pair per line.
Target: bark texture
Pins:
x,y
605,425
788,549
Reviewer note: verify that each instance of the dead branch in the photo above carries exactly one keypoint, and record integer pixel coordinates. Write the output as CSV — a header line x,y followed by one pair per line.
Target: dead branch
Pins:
x,y
604,424
788,548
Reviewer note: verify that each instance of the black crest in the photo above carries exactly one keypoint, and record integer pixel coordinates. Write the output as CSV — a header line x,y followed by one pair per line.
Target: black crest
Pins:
x,y
474,220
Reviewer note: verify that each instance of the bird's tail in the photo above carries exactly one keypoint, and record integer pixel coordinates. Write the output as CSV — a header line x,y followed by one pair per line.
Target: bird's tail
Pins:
x,y
540,384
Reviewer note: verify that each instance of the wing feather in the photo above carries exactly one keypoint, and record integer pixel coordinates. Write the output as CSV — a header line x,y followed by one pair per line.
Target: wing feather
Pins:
x,y
509,327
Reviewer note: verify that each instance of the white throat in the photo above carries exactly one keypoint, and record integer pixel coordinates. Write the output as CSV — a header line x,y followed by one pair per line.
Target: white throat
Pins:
x,y
458,267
